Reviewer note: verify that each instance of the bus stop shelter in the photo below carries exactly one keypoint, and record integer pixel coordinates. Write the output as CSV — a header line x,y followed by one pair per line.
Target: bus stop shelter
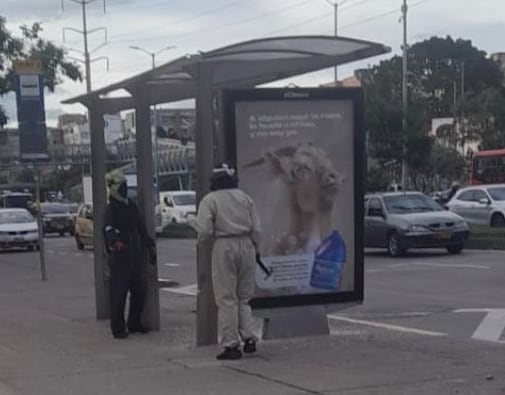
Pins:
x,y
202,76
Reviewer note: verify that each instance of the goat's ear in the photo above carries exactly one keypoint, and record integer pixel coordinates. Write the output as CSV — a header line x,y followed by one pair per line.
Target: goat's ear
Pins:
x,y
281,165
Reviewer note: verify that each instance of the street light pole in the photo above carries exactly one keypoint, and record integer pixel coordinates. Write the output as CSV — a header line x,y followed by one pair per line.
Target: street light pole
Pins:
x,y
404,95
153,55
335,6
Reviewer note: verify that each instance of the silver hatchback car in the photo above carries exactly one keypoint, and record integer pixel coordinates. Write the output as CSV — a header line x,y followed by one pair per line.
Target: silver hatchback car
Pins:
x,y
480,204
402,220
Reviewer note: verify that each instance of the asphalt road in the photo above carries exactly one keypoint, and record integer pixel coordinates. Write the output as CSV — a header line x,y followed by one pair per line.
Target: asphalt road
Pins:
x,y
429,293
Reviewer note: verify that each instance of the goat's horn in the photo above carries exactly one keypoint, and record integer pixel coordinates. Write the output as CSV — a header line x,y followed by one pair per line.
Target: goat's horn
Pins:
x,y
256,162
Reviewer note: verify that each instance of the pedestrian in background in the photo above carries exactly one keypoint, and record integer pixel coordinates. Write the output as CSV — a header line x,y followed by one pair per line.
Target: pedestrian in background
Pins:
x,y
227,217
126,238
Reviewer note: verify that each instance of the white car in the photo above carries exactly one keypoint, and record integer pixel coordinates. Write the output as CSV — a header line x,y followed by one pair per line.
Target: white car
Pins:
x,y
18,229
480,204
177,206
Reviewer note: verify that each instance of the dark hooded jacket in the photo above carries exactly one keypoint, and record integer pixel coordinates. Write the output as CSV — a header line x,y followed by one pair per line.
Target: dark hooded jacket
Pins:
x,y
123,223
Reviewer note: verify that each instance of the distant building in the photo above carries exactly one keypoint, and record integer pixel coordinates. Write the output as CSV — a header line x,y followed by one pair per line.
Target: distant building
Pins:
x,y
447,133
77,133
69,119
9,145
349,82
177,123
499,57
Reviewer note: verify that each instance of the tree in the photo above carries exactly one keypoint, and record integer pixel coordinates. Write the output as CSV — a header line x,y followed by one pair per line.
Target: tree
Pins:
x,y
30,45
436,69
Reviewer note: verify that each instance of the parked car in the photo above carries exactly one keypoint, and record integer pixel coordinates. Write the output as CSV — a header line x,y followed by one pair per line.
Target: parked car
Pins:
x,y
17,200
177,206
56,218
18,229
83,230
402,220
480,205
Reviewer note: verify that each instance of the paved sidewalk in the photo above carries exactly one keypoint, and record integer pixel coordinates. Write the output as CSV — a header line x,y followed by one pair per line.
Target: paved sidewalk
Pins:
x,y
50,344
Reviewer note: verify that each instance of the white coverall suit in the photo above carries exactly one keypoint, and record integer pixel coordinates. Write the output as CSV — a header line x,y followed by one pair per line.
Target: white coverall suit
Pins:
x,y
229,218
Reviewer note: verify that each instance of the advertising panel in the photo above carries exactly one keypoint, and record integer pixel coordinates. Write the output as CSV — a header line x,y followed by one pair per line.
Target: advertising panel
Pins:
x,y
31,111
299,155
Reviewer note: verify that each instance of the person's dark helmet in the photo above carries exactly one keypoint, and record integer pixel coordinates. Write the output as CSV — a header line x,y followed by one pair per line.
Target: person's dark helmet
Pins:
x,y
223,177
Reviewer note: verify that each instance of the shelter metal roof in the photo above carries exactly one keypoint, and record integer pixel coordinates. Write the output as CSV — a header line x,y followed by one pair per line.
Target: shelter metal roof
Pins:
x,y
245,64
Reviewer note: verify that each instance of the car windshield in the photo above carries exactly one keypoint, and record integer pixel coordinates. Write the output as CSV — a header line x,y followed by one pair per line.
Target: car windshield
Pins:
x,y
15,217
54,209
185,200
497,193
21,201
410,203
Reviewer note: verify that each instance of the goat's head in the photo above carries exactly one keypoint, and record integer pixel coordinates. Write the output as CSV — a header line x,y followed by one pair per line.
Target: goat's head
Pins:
x,y
309,173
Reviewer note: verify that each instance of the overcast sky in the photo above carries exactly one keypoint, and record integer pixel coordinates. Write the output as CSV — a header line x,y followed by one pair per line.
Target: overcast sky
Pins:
x,y
193,25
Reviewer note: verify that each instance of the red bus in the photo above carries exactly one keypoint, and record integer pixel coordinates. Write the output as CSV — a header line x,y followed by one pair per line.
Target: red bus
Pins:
x,y
488,167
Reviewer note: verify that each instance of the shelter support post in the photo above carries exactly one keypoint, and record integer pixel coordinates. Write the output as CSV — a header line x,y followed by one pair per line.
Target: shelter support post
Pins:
x,y
99,203
206,325
146,202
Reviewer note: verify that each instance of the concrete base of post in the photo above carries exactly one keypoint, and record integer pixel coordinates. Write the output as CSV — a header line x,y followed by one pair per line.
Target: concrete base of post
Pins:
x,y
295,322
300,321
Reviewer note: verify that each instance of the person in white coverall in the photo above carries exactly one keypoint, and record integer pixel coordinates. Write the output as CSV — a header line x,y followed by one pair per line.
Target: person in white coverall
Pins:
x,y
227,217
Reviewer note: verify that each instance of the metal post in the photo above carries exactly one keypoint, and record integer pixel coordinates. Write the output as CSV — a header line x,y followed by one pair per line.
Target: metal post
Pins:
x,y
86,51
335,5
43,273
146,201
206,312
99,202
155,126
404,96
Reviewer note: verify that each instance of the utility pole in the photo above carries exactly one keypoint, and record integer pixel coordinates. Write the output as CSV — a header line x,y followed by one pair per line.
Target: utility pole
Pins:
x,y
335,6
87,60
41,245
155,115
404,96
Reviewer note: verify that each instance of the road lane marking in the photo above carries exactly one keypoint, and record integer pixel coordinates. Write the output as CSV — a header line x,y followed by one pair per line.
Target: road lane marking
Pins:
x,y
188,290
452,265
390,327
171,264
491,327
418,265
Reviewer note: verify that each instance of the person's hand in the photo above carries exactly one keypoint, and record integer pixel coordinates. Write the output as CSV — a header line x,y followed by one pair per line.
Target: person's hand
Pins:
x,y
118,246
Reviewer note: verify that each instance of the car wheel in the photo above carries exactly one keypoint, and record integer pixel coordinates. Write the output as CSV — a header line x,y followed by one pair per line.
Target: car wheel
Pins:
x,y
78,242
455,249
394,248
37,247
31,248
61,234
497,221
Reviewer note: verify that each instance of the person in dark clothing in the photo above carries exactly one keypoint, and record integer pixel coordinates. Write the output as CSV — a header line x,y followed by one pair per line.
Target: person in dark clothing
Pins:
x,y
126,238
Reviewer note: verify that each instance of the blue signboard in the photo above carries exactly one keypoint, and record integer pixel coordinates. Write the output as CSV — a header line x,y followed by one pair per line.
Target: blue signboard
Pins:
x,y
31,114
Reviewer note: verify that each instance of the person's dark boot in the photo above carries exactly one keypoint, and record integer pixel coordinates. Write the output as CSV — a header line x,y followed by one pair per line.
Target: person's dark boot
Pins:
x,y
229,354
249,346
139,329
121,335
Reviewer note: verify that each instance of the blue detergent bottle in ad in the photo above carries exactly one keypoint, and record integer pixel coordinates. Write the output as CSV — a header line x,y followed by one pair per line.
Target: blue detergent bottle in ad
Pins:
x,y
329,260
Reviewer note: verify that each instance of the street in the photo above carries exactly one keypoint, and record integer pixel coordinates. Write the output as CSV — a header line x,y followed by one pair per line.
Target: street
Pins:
x,y
428,293
431,323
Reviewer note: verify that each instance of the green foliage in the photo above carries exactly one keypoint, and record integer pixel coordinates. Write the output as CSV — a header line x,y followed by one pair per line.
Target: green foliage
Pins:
x,y
436,68
30,45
